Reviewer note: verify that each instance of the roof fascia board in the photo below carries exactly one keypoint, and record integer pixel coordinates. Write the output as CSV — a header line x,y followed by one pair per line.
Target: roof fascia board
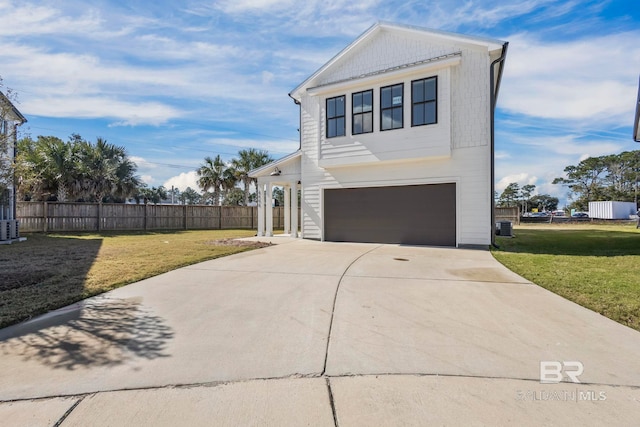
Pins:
x,y
374,28
12,108
486,43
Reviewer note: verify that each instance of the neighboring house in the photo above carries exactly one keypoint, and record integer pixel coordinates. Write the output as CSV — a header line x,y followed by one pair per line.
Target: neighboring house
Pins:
x,y
396,142
10,119
636,123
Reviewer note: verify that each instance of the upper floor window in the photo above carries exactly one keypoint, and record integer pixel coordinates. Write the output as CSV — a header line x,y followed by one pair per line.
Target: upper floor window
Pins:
x,y
391,105
424,95
335,116
362,106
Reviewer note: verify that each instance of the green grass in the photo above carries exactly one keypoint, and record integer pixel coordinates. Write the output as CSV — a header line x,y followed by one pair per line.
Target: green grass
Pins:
x,y
50,271
596,266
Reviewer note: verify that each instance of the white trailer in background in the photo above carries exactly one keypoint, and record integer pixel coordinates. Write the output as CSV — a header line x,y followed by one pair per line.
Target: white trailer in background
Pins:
x,y
612,210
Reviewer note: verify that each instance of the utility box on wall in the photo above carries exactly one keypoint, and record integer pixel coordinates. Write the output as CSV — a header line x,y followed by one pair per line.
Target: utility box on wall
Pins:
x,y
612,210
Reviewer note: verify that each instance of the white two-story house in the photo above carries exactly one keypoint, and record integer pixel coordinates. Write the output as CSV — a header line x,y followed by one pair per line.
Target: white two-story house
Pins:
x,y
396,142
10,119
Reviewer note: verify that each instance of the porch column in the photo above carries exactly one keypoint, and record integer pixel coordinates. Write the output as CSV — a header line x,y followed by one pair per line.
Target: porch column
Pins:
x,y
294,209
287,210
269,206
260,200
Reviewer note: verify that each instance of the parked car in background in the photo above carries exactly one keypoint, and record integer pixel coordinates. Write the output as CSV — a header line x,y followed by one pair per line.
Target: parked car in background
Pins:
x,y
558,213
539,214
580,215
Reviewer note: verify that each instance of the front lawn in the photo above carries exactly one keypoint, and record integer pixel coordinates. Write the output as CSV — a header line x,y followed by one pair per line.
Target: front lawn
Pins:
x,y
596,266
50,271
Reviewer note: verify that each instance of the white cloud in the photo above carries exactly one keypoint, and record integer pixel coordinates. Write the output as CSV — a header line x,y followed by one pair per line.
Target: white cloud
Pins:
x,y
499,155
272,146
521,179
243,6
142,162
24,18
127,113
182,181
593,78
147,179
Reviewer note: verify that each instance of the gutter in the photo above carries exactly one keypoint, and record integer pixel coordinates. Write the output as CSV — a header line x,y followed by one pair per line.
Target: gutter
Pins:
x,y
299,121
636,123
493,96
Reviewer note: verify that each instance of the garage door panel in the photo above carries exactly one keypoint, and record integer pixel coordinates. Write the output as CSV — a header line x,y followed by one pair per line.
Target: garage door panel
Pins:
x,y
417,214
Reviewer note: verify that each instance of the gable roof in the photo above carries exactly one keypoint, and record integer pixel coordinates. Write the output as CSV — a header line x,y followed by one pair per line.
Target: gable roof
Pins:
x,y
490,44
10,108
636,123
266,169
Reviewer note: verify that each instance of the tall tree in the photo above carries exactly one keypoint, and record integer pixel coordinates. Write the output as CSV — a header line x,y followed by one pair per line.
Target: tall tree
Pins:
x,y
525,194
74,170
101,163
233,197
211,177
190,196
584,180
510,195
544,202
612,177
229,181
48,167
247,161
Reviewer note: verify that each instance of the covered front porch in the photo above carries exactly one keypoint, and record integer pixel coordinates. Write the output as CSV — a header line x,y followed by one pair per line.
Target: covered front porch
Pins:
x,y
283,173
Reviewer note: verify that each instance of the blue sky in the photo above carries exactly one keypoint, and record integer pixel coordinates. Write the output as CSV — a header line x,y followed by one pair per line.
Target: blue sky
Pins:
x,y
174,82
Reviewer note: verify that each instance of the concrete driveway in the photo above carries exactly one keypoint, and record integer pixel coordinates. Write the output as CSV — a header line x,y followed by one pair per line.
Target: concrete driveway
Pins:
x,y
310,333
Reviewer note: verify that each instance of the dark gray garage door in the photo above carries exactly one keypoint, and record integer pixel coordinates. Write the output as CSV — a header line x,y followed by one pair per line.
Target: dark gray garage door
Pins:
x,y
413,215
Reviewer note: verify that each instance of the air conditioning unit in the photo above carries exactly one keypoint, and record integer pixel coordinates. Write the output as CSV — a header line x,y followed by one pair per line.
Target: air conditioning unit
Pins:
x,y
5,232
14,229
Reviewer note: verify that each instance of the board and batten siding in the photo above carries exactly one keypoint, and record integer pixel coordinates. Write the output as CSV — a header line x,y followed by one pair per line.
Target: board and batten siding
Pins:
x,y
468,164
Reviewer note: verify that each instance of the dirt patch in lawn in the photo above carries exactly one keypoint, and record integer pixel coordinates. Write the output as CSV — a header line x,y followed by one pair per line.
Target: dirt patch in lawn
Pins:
x,y
239,243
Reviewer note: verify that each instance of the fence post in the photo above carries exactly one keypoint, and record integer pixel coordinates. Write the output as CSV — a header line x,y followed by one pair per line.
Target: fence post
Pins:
x,y
220,217
145,217
45,210
99,216
184,216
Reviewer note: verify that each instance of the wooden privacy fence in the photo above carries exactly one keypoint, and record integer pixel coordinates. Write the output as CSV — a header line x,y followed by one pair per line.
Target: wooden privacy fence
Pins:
x,y
62,216
508,214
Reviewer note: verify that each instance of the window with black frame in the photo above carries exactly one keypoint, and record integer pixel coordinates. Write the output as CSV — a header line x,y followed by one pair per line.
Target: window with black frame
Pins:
x,y
362,112
424,94
391,105
335,116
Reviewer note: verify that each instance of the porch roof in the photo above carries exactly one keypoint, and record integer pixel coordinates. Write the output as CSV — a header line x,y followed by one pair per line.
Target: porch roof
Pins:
x,y
286,168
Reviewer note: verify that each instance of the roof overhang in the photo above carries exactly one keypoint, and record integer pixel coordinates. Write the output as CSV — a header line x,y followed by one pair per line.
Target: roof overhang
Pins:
x,y
491,45
394,72
9,108
636,123
283,164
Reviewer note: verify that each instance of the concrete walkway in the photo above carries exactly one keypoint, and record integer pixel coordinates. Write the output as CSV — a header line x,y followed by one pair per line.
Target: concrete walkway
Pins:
x,y
309,333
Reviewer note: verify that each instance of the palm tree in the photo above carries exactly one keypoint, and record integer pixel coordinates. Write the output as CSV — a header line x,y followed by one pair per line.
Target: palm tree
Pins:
x,y
248,160
101,163
229,181
211,177
75,169
126,182
47,167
